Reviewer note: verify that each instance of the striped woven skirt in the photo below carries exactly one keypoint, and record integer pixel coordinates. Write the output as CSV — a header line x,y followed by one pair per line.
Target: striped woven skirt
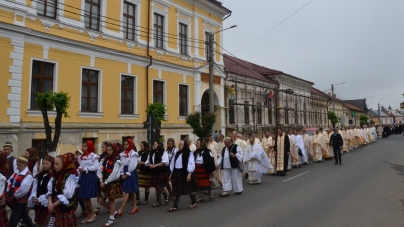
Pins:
x,y
180,184
202,178
143,179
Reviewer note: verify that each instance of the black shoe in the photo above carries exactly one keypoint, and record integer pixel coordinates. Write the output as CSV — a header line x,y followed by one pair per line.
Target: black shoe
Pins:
x,y
239,193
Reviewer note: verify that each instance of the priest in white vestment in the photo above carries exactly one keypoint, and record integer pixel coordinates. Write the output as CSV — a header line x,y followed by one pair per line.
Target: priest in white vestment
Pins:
x,y
374,133
318,143
364,136
256,161
307,144
299,143
293,157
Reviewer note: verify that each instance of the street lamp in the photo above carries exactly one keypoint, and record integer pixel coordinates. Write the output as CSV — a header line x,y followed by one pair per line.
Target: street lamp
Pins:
x,y
378,109
332,97
211,62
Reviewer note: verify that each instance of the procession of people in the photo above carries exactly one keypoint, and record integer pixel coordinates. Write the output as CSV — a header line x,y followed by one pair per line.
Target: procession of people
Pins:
x,y
53,187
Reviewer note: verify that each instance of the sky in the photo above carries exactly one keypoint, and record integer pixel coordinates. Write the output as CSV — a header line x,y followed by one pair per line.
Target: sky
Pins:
x,y
359,42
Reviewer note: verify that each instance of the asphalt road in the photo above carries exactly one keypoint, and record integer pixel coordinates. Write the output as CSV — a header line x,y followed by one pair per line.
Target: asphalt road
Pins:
x,y
366,190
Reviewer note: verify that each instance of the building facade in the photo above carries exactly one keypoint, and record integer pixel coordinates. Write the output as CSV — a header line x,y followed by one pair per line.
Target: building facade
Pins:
x,y
113,58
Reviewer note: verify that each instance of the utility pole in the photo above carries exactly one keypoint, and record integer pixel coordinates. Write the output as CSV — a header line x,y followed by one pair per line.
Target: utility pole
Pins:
x,y
211,60
378,112
332,97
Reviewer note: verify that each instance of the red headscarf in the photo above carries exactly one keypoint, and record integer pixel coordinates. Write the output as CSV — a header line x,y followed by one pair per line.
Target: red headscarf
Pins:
x,y
90,149
68,168
131,147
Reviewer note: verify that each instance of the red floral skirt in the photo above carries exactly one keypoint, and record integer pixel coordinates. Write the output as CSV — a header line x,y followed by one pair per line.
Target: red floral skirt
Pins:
x,y
3,217
63,219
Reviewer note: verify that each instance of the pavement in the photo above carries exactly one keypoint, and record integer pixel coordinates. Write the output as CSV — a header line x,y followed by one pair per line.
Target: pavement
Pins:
x,y
366,190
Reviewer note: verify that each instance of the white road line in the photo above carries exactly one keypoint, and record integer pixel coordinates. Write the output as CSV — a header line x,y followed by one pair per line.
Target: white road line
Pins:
x,y
346,156
295,176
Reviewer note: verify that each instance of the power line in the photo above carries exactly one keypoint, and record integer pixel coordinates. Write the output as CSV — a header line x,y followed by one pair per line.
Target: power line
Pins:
x,y
275,26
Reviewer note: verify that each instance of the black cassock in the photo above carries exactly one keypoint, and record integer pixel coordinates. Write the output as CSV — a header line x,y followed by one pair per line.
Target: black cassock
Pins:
x,y
286,155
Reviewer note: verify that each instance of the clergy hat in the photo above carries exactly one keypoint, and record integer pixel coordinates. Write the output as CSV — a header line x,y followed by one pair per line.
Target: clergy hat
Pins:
x,y
8,144
22,159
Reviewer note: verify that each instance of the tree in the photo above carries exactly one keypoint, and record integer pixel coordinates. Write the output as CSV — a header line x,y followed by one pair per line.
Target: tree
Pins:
x,y
202,125
48,101
333,118
363,119
159,111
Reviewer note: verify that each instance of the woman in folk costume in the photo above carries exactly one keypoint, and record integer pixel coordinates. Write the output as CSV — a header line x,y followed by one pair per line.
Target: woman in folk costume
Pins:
x,y
102,156
109,173
171,149
159,171
89,163
61,197
204,167
129,177
3,208
33,160
182,167
143,170
39,194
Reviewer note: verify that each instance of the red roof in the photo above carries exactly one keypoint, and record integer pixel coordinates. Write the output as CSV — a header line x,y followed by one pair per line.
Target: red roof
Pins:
x,y
352,107
315,91
219,4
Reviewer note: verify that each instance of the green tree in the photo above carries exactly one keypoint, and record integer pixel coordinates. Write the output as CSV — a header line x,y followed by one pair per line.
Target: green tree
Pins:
x,y
333,118
363,119
159,111
48,101
202,125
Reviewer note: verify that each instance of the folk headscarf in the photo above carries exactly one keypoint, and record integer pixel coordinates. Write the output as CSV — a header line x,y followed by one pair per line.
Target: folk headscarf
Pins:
x,y
68,168
90,149
131,147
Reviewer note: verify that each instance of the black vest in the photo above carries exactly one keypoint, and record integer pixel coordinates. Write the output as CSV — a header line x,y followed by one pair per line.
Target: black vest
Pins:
x,y
233,161
11,165
42,185
158,156
185,159
208,161
143,158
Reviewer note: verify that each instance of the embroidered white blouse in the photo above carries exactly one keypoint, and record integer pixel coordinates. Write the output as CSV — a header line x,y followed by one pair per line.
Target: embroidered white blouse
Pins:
x,y
178,163
43,199
89,163
68,191
116,172
164,159
25,184
129,160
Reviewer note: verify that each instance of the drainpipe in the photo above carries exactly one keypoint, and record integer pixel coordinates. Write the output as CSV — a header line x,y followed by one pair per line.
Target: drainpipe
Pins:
x,y
226,17
148,54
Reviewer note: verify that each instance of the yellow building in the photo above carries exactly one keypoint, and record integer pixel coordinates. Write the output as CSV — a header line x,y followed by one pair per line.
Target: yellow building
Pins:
x,y
112,57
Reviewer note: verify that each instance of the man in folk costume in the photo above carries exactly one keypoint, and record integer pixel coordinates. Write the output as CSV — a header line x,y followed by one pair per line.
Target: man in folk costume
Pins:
x,y
307,145
282,151
318,143
229,162
11,160
294,156
300,148
267,145
19,189
256,161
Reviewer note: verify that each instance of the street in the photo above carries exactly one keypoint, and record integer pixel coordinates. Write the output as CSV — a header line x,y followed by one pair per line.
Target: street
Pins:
x,y
366,190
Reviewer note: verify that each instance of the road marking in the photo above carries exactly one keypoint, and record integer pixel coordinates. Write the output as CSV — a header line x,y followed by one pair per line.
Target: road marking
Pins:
x,y
295,176
346,156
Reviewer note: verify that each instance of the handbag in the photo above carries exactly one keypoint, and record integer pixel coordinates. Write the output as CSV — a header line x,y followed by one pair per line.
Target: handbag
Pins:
x,y
240,166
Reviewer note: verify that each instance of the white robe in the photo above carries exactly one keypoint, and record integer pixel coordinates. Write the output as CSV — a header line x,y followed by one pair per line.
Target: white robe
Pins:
x,y
365,136
300,144
257,162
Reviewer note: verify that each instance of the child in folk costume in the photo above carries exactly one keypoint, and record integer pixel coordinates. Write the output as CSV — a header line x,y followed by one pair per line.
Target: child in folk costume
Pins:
x,y
143,170
89,163
61,196
110,188
18,191
182,167
204,167
39,195
3,208
102,156
171,149
159,171
129,178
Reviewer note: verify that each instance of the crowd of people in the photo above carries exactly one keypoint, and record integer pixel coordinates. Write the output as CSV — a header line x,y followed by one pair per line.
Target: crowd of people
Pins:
x,y
52,188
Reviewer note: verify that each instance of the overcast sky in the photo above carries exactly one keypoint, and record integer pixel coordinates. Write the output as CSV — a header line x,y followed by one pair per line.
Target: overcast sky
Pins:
x,y
360,42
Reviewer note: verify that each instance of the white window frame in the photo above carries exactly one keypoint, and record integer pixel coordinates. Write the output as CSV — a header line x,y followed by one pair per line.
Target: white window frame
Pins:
x,y
188,101
208,30
187,22
135,114
137,3
36,113
99,113
164,89
164,13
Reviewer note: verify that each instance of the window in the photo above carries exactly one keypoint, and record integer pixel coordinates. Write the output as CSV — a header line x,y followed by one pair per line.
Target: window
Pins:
x,y
183,97
46,8
41,147
207,45
42,80
231,111
127,94
92,14
183,39
158,91
158,30
129,20
259,113
286,116
246,113
89,91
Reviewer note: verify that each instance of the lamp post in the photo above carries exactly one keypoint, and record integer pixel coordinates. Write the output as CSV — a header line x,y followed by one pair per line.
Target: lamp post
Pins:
x,y
211,62
332,95
378,109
